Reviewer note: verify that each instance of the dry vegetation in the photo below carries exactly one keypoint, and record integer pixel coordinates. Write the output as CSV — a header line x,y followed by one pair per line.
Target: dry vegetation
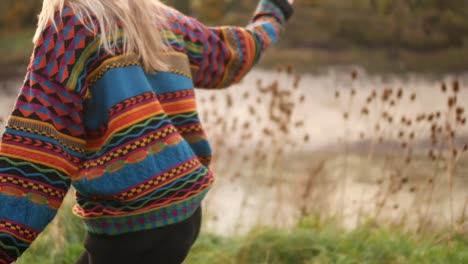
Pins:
x,y
404,168
412,140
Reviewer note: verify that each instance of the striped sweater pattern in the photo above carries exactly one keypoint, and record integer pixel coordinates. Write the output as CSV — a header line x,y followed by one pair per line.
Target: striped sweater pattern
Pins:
x,y
129,142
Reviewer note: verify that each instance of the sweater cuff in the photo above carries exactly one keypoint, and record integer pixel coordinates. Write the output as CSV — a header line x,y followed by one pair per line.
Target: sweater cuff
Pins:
x,y
285,7
281,10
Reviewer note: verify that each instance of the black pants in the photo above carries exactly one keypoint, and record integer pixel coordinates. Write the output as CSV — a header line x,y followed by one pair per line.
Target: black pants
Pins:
x,y
165,245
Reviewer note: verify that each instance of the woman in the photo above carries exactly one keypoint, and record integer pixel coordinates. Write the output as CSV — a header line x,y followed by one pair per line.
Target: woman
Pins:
x,y
108,107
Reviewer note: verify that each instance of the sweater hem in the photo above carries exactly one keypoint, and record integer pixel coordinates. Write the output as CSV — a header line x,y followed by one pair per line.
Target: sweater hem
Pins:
x,y
154,218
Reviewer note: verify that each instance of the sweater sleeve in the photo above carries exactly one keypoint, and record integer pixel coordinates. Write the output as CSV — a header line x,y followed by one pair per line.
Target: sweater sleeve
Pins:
x,y
221,56
43,142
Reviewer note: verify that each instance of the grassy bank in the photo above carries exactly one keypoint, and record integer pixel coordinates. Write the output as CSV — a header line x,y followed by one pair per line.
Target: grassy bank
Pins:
x,y
312,241
313,244
16,47
304,244
375,61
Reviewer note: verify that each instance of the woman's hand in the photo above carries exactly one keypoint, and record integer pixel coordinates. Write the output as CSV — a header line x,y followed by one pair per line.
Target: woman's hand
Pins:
x,y
291,1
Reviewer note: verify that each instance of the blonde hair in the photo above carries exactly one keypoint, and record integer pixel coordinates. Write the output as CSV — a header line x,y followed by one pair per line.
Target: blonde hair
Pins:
x,y
137,25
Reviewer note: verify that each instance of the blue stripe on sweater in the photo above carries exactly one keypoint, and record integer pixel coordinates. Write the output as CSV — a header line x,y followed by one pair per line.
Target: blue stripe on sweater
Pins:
x,y
120,84
165,82
114,87
132,174
201,148
21,210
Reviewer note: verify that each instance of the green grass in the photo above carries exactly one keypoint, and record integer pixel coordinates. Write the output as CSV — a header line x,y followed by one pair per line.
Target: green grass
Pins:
x,y
15,47
376,61
312,241
327,244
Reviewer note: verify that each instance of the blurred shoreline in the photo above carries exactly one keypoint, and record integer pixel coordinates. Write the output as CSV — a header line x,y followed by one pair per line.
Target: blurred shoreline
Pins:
x,y
16,49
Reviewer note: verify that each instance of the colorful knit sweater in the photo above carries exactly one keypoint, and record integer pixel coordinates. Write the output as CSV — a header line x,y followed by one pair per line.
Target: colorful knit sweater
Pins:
x,y
129,142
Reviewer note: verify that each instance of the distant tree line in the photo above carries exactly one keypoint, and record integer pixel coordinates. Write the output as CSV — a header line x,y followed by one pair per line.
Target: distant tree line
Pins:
x,y
421,25
15,14
411,24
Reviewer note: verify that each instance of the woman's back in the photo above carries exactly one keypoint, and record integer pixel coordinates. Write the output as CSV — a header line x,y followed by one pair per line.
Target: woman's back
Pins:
x,y
129,140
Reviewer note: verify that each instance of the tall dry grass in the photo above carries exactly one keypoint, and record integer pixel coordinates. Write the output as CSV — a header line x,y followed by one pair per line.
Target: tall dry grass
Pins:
x,y
409,135
259,136
261,145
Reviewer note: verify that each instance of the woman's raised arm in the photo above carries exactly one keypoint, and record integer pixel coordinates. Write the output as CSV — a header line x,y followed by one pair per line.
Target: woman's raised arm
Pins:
x,y
221,56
